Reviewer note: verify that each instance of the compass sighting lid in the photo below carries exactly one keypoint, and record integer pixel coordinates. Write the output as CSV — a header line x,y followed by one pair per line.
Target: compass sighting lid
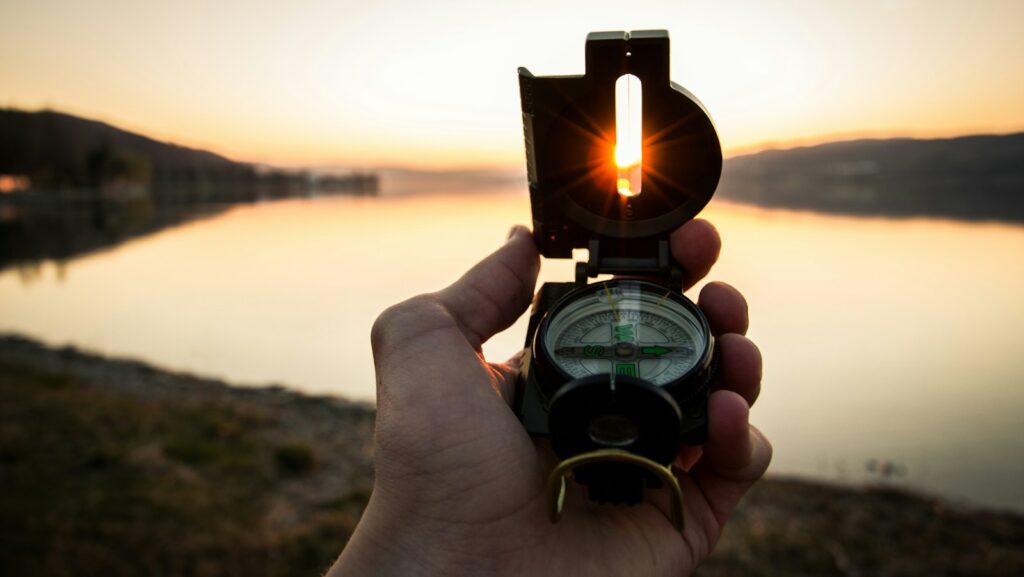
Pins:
x,y
588,180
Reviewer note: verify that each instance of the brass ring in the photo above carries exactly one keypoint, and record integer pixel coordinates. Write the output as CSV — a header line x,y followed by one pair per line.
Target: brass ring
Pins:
x,y
564,469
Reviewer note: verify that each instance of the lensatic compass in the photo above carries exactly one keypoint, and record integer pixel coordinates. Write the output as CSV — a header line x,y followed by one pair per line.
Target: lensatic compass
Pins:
x,y
616,373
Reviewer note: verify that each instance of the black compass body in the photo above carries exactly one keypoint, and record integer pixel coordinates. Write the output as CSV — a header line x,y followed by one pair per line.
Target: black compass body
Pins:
x,y
622,364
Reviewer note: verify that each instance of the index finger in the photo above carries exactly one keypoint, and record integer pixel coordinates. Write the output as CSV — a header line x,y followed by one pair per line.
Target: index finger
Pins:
x,y
695,246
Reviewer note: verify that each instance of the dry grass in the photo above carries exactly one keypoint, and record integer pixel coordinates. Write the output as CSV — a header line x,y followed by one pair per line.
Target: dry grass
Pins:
x,y
115,468
100,483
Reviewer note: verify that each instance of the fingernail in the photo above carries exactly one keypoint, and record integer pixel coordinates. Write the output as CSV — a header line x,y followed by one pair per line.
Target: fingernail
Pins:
x,y
513,231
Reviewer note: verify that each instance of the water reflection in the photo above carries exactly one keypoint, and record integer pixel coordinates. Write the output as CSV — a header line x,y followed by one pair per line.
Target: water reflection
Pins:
x,y
37,225
884,341
32,230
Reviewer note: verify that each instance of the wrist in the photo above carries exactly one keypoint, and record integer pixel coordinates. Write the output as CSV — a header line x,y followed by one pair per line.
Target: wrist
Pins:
x,y
395,541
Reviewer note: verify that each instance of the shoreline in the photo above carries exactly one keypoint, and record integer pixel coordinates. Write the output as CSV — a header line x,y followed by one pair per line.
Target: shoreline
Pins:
x,y
117,466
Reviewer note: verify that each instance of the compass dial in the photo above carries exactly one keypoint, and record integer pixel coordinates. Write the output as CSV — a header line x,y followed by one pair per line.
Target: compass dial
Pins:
x,y
631,328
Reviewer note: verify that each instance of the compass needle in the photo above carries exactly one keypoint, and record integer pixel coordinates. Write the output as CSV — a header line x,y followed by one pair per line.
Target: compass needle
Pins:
x,y
662,299
611,303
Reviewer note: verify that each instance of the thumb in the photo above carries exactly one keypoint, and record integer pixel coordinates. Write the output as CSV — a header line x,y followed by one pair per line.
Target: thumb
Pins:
x,y
492,295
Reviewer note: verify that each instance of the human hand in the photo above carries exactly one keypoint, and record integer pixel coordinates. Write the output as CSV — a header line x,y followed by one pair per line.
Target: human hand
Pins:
x,y
459,487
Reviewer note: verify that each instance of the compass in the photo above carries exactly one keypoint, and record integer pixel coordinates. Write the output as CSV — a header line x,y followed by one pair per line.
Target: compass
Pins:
x,y
616,373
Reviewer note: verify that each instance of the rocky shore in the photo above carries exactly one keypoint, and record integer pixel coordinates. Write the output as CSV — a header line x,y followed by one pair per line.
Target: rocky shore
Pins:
x,y
113,467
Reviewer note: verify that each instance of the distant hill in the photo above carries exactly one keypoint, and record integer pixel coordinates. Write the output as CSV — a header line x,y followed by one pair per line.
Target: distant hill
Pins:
x,y
59,152
29,139
970,177
57,149
70,185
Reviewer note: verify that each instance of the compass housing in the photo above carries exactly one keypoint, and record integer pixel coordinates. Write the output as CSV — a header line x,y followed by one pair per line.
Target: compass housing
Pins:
x,y
569,127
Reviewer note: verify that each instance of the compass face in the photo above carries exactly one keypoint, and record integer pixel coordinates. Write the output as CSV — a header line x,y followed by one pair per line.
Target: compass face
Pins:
x,y
632,328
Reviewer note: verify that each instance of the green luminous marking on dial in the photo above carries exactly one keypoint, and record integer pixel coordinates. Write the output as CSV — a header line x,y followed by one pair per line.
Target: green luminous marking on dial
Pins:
x,y
625,369
625,333
593,351
656,351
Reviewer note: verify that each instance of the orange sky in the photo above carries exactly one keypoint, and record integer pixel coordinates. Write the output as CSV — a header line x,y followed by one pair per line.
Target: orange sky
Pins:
x,y
433,84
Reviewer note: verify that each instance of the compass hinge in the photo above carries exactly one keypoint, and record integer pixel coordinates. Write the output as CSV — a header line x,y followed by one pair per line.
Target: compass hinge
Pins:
x,y
660,266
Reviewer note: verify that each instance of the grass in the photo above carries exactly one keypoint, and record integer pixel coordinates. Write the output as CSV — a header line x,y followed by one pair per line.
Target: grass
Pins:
x,y
295,459
169,475
100,483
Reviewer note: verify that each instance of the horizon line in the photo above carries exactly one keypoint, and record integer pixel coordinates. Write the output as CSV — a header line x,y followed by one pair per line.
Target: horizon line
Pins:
x,y
728,152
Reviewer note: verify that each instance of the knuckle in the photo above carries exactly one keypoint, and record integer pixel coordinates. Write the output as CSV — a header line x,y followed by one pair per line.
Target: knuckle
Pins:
x,y
398,318
767,452
724,287
744,344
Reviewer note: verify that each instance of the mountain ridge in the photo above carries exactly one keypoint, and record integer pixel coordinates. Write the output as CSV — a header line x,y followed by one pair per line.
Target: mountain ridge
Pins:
x,y
31,140
971,177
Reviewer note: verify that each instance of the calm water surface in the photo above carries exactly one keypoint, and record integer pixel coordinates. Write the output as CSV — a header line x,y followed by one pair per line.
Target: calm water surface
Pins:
x,y
886,340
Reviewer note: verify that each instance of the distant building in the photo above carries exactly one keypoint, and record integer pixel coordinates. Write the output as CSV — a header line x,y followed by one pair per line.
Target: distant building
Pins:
x,y
14,183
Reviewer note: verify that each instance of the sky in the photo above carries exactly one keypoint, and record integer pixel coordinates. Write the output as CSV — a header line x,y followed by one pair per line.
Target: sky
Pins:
x,y
432,84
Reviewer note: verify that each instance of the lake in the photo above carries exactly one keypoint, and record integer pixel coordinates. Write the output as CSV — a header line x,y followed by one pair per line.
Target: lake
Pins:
x,y
893,344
